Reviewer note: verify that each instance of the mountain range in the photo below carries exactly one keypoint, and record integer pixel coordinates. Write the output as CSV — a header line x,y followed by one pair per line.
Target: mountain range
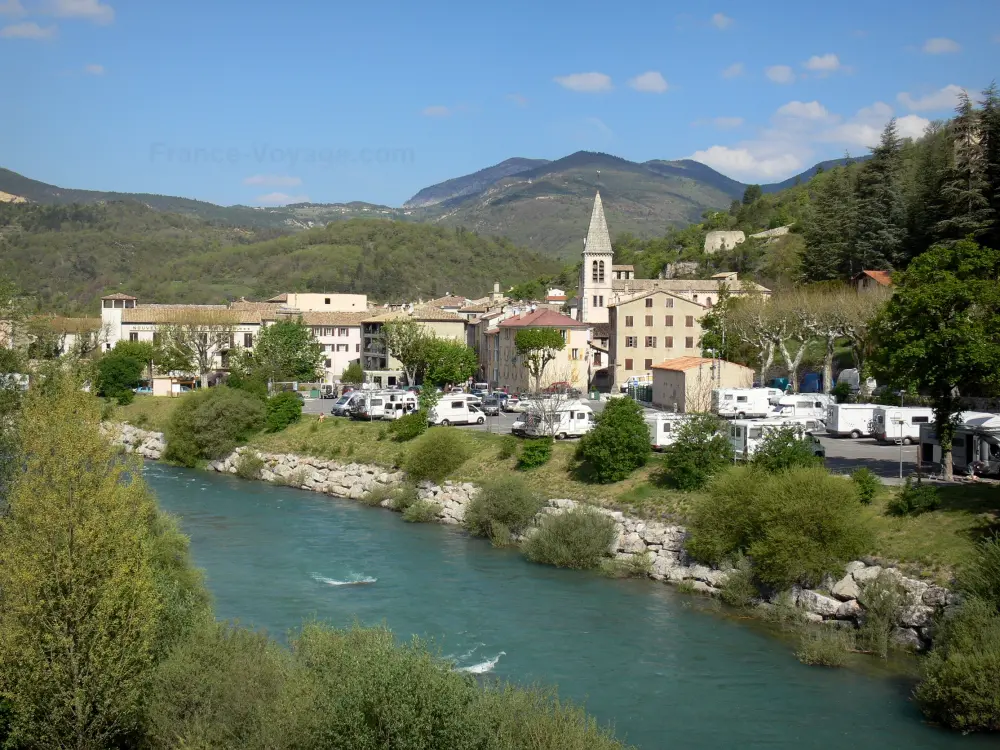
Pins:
x,y
536,203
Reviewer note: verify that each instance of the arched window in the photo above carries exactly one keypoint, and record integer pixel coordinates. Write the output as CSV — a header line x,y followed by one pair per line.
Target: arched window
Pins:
x,y
593,274
601,270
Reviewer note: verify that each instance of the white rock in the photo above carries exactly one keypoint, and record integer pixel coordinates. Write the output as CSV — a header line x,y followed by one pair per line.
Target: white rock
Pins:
x,y
703,588
915,616
812,617
866,574
907,637
813,601
846,588
935,596
632,543
849,610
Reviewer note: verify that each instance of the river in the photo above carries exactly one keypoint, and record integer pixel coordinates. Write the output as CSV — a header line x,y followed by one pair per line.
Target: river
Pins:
x,y
652,661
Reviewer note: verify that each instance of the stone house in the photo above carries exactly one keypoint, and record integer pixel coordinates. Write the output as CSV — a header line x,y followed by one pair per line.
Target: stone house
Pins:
x,y
506,367
867,280
685,384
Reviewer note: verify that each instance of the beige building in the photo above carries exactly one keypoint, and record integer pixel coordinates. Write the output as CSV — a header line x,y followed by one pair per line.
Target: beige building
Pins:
x,y
685,384
322,302
506,368
648,328
382,368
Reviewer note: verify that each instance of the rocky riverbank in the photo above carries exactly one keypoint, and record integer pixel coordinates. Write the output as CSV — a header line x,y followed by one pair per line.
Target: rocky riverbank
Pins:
x,y
836,602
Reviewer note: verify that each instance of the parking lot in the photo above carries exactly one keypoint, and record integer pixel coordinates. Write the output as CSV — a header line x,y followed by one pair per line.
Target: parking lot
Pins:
x,y
843,455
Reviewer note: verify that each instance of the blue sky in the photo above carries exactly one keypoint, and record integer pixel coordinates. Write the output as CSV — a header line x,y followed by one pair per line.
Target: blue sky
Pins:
x,y
263,103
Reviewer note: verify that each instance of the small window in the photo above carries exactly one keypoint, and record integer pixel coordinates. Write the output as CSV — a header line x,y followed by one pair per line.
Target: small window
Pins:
x,y
108,303
326,301
708,301
670,302
328,364
581,415
754,432
649,321
457,404
696,298
357,347
649,301
668,341
631,342
741,399
648,364
689,342
248,340
600,301
575,354
342,332
628,364
920,420
133,336
628,321
668,321
689,321
651,342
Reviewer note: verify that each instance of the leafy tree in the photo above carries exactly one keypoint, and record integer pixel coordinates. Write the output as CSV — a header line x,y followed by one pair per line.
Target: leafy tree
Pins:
x,y
287,351
938,333
117,374
619,443
537,347
283,409
751,193
881,226
192,344
700,451
142,351
210,423
785,449
503,507
353,374
448,361
406,340
80,606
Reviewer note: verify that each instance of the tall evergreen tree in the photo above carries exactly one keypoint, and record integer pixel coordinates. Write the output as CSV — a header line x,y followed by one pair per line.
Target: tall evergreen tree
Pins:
x,y
881,224
830,230
990,134
925,205
964,189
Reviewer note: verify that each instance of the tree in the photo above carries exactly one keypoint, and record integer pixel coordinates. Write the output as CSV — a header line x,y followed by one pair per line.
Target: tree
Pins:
x,y
751,194
537,347
117,375
406,340
701,450
750,319
618,444
964,190
353,374
881,227
196,338
938,333
210,423
830,229
783,449
79,608
990,129
143,351
287,351
447,361
788,323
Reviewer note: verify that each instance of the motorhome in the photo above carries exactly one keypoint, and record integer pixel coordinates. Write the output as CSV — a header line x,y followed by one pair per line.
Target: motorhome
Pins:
x,y
811,405
975,448
746,435
399,404
900,424
852,377
561,421
744,402
452,409
663,427
850,420
371,405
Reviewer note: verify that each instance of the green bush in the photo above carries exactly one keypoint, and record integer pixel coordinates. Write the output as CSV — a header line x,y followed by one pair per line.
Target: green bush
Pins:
x,y
422,511
404,497
795,526
436,454
841,392
249,465
578,538
210,423
283,409
784,449
960,687
618,444
700,451
377,495
535,453
739,589
117,375
866,484
631,566
981,577
824,646
914,499
501,508
409,427
882,597
508,447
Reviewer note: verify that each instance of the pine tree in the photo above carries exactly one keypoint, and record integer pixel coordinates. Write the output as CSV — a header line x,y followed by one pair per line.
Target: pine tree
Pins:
x,y
881,224
990,129
925,206
830,230
964,188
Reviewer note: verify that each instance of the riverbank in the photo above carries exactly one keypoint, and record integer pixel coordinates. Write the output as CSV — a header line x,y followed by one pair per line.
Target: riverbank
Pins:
x,y
641,544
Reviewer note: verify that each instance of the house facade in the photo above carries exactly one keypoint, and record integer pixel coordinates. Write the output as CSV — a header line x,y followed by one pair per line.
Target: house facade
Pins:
x,y
685,384
380,367
570,364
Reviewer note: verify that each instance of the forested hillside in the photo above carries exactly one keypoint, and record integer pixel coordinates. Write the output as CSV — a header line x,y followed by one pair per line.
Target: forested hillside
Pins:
x,y
68,256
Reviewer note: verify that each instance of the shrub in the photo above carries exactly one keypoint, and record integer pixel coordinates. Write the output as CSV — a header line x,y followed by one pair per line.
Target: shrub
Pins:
x,y
981,577
409,427
283,409
210,423
796,525
117,375
506,504
578,538
882,597
508,447
377,495
700,452
435,455
535,453
404,497
618,444
249,465
739,589
784,449
866,484
422,511
629,566
824,646
914,499
960,688
842,392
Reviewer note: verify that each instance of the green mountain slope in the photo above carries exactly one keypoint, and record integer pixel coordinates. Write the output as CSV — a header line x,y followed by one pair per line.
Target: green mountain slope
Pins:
x,y
471,184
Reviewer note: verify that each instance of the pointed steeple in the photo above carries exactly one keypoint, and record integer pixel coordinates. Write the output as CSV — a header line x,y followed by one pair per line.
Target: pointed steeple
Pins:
x,y
598,239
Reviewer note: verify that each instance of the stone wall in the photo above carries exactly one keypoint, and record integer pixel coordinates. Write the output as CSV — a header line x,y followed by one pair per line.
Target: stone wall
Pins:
x,y
835,602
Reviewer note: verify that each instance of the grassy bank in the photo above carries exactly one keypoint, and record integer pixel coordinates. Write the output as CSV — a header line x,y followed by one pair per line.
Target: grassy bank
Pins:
x,y
148,412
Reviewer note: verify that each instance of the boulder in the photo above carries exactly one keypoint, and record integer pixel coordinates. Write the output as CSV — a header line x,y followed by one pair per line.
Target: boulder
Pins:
x,y
846,588
631,543
849,610
870,573
662,567
935,596
703,588
813,601
702,573
915,616
907,638
812,617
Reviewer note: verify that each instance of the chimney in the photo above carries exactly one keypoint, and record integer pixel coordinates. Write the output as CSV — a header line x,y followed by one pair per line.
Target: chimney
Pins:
x,y
496,287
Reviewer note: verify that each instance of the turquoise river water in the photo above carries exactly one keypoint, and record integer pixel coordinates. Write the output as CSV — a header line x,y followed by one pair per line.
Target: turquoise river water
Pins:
x,y
665,672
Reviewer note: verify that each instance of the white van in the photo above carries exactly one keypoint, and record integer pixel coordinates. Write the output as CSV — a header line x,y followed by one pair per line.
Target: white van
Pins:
x,y
811,405
453,410
370,406
399,404
572,419
900,424
744,402
663,427
850,420
746,435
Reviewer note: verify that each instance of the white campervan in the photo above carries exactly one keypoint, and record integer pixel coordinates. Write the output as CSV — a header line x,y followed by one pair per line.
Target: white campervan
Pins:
x,y
850,420
399,404
571,419
900,424
371,405
663,427
452,409
746,435
744,402
809,405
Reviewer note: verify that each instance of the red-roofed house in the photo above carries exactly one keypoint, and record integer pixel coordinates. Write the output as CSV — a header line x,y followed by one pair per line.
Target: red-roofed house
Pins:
x,y
872,280
505,368
684,384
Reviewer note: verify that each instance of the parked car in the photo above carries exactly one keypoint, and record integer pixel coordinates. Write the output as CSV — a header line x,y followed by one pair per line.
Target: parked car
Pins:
x,y
491,406
342,407
451,411
510,403
143,390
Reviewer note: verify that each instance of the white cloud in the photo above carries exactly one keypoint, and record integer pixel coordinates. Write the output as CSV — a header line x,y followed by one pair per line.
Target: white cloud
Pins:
x,y
912,126
827,63
734,71
589,83
91,10
721,21
94,69
780,74
272,180
517,99
281,199
940,46
12,8
740,161
803,110
436,110
27,30
937,101
651,81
